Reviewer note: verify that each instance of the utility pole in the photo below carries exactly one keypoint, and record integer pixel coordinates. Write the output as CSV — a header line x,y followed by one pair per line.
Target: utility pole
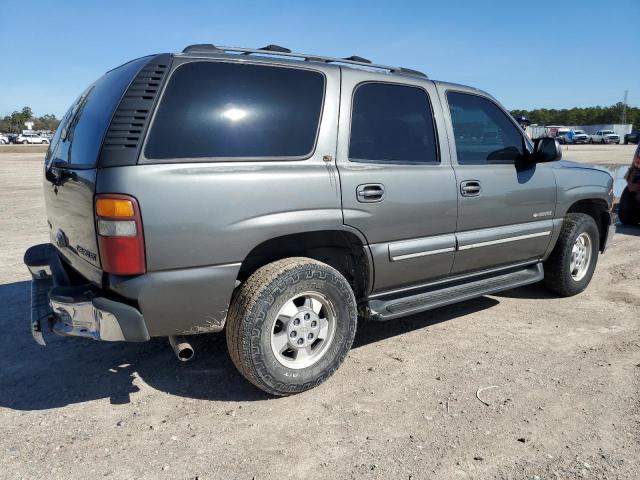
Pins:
x,y
624,107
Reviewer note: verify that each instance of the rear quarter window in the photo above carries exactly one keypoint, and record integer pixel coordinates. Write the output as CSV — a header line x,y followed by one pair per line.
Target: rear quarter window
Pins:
x,y
230,111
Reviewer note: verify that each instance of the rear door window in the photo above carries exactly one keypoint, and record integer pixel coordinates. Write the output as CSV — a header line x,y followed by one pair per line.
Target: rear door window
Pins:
x,y
392,123
233,110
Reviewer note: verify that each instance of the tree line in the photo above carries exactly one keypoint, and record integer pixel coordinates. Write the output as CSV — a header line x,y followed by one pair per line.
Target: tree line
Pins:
x,y
14,123
582,116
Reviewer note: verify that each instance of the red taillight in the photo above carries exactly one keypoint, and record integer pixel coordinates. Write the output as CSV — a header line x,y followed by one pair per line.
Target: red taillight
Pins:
x,y
120,235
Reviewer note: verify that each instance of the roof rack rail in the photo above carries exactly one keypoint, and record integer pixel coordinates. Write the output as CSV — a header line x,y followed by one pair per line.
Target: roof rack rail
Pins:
x,y
285,52
356,58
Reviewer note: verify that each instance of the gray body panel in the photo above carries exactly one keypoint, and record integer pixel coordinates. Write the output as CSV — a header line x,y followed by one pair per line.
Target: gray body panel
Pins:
x,y
513,197
577,182
214,212
185,301
202,218
419,201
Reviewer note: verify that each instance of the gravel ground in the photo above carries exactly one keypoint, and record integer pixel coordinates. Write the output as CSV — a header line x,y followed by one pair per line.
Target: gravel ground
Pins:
x,y
563,402
606,155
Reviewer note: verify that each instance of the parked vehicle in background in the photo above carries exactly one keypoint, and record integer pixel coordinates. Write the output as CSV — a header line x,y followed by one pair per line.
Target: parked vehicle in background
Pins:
x,y
605,136
12,137
4,140
330,170
566,135
633,137
580,137
32,138
562,135
629,207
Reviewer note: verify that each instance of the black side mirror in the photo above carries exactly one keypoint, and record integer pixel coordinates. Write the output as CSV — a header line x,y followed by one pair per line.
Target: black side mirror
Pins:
x,y
546,150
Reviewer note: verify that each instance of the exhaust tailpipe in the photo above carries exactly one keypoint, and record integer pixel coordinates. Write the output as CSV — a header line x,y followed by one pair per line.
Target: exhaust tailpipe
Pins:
x,y
182,348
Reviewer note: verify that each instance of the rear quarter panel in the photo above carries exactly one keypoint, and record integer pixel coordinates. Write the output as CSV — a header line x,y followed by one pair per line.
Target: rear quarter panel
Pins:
x,y
212,212
201,219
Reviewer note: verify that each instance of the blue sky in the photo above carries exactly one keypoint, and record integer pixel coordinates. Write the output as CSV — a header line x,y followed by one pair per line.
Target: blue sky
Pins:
x,y
527,53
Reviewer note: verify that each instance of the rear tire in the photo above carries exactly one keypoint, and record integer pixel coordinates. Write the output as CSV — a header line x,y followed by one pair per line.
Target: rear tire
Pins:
x,y
270,303
570,267
629,208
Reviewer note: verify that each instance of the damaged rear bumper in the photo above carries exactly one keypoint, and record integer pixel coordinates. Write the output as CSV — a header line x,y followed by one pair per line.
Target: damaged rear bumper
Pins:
x,y
76,310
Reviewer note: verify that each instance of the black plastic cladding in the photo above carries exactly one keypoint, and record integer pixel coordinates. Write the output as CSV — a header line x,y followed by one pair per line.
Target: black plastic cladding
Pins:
x,y
129,124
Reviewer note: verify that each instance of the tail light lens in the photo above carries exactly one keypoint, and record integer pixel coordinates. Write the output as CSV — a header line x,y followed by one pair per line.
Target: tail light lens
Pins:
x,y
120,235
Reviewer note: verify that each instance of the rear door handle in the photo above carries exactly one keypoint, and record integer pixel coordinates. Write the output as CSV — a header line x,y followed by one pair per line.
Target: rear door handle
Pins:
x,y
370,192
470,188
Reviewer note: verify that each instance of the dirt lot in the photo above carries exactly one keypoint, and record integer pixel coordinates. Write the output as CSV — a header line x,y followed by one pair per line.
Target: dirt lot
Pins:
x,y
563,403
605,155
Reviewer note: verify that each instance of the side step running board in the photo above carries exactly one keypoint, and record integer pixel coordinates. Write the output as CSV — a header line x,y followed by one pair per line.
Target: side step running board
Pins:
x,y
387,309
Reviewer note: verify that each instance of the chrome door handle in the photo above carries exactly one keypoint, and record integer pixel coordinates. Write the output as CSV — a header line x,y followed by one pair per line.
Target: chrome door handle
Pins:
x,y
370,192
470,188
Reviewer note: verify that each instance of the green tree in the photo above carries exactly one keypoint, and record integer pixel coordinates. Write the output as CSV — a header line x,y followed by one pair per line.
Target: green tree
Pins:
x,y
46,122
581,116
14,123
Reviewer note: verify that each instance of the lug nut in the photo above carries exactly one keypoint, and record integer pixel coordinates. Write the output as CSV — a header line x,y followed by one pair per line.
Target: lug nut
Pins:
x,y
300,341
314,324
296,321
293,334
307,316
310,336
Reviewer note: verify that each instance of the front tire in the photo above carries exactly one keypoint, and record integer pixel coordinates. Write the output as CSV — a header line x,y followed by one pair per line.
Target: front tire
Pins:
x,y
291,325
570,267
629,208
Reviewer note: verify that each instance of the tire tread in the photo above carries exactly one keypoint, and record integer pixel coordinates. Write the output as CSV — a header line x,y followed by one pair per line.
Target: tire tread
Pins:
x,y
244,305
555,275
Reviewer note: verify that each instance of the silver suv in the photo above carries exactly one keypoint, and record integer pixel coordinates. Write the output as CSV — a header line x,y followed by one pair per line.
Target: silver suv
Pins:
x,y
279,197
32,138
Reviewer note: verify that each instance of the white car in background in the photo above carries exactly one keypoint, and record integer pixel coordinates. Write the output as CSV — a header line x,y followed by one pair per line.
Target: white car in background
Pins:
x,y
26,138
605,136
3,139
580,137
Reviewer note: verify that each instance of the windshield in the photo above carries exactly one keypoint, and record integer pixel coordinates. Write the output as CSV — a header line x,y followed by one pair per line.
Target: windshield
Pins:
x,y
79,136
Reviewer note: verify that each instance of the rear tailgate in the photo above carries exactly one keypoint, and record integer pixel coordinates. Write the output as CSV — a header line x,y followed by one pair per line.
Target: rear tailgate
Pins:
x,y
71,169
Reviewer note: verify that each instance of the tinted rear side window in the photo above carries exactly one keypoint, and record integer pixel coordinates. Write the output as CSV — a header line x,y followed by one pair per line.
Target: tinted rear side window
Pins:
x,y
231,110
392,123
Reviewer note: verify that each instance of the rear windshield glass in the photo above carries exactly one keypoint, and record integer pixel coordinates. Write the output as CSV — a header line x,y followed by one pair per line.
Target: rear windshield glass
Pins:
x,y
233,110
79,137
